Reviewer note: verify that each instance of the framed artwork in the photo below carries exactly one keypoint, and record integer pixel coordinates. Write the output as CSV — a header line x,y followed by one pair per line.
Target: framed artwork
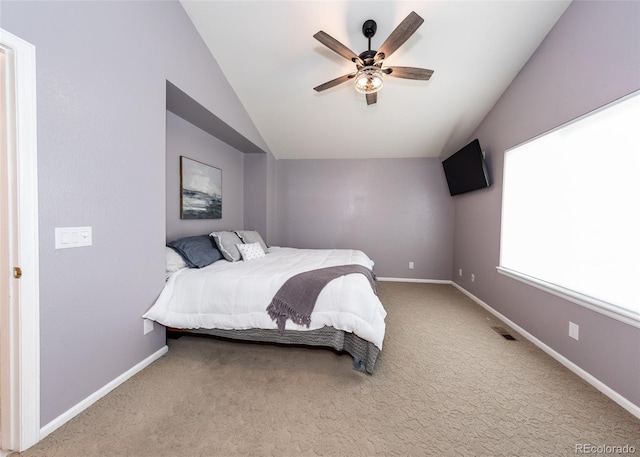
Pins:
x,y
200,190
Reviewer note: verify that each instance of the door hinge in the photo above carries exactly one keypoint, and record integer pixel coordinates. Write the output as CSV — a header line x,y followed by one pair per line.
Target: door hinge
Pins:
x,y
17,272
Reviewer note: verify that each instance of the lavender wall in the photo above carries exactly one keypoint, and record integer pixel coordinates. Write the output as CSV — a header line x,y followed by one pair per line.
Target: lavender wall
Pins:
x,y
591,57
395,210
255,195
271,195
102,69
185,139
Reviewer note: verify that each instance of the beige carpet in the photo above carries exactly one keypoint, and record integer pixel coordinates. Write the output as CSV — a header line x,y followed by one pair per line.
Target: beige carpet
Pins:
x,y
445,384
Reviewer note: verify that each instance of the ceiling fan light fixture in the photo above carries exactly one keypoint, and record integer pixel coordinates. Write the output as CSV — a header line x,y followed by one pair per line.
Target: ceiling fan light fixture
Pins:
x,y
369,80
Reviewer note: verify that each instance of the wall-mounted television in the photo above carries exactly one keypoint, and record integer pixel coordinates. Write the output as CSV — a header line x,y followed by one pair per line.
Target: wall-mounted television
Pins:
x,y
466,170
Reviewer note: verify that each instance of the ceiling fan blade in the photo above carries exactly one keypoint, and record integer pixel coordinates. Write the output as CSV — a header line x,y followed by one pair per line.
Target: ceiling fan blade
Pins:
x,y
408,72
334,82
372,98
337,47
400,35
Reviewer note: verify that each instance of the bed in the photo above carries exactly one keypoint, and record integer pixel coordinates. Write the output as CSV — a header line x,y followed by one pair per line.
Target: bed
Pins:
x,y
228,297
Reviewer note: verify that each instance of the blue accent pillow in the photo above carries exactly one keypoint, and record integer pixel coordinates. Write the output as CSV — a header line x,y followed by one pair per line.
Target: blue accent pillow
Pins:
x,y
197,251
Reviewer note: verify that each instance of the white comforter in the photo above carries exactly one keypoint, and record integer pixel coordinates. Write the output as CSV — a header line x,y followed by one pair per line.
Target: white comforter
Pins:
x,y
235,295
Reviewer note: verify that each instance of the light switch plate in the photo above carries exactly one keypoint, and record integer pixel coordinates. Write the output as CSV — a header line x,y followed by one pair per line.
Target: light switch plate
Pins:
x,y
73,237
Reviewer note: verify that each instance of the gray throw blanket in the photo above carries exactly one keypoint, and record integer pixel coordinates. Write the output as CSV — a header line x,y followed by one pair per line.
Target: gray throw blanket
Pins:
x,y
297,297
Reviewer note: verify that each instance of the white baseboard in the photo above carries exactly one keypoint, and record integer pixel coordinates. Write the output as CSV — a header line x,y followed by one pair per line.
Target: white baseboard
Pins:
x,y
595,382
427,281
94,397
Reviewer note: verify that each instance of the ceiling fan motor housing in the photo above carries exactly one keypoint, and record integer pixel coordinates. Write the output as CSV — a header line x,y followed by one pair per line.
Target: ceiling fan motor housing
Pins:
x,y
367,57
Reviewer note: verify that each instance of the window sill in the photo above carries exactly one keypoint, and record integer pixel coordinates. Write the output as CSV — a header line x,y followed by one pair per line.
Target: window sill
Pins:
x,y
615,312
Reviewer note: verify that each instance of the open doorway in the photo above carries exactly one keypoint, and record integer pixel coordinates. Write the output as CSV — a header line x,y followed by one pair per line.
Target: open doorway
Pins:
x,y
19,283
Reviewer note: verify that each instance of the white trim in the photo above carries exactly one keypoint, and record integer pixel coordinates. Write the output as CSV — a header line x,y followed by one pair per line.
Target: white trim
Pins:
x,y
623,315
94,397
427,281
595,382
22,377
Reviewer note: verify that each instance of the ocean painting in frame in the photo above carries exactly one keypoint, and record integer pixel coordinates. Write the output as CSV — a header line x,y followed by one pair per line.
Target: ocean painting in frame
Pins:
x,y
201,190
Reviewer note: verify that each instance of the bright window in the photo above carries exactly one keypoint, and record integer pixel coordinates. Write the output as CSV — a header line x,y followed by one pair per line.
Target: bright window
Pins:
x,y
571,210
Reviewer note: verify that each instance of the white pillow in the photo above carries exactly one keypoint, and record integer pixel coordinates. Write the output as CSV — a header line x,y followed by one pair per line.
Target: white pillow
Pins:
x,y
250,251
174,261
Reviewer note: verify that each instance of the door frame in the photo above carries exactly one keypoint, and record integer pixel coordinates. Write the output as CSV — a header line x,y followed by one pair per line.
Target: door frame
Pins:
x,y
20,323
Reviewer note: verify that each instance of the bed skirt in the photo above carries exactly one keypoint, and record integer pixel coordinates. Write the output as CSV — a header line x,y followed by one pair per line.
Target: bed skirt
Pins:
x,y
363,352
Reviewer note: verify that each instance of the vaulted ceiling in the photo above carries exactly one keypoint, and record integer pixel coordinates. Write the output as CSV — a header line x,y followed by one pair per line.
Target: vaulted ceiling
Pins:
x,y
267,52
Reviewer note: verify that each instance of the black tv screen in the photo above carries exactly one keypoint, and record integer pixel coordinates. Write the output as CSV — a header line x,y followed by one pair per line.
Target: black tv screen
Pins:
x,y
465,170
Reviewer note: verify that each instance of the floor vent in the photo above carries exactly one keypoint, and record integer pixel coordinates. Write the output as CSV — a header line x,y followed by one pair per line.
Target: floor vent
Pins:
x,y
504,332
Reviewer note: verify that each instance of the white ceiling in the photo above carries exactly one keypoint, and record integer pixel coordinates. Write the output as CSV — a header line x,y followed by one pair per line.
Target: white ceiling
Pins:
x,y
267,52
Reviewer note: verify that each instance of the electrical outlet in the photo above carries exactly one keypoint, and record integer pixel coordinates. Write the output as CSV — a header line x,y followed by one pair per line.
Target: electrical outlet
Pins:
x,y
147,326
473,277
460,272
410,265
574,331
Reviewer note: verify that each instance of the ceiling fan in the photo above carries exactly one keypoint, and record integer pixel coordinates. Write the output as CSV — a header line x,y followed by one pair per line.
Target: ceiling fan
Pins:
x,y
369,72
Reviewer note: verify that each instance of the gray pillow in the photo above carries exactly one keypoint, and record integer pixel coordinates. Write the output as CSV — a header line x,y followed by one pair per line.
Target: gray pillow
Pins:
x,y
197,251
226,242
252,236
